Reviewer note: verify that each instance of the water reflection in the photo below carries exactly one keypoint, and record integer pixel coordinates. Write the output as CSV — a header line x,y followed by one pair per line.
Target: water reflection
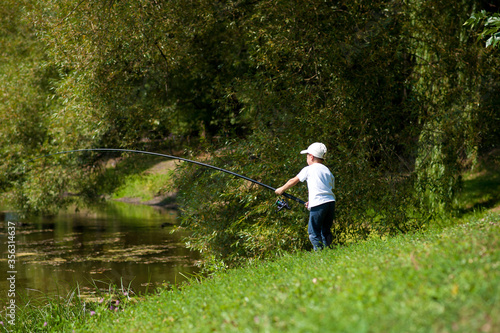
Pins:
x,y
120,244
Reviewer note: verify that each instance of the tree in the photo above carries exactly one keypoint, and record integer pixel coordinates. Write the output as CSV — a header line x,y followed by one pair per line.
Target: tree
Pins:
x,y
404,99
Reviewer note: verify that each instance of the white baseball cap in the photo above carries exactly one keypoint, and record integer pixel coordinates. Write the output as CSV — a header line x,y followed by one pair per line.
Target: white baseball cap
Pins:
x,y
317,149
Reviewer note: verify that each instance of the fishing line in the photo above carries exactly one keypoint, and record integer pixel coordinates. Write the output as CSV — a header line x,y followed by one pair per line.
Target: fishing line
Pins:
x,y
280,203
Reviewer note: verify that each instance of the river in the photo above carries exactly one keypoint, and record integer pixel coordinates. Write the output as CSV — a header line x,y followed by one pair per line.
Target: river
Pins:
x,y
130,247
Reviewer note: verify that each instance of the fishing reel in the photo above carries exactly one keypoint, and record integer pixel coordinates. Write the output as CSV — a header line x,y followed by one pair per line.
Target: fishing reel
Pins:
x,y
282,203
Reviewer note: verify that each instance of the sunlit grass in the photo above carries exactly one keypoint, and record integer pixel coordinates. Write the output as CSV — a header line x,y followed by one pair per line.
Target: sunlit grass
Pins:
x,y
438,280
442,279
144,187
137,177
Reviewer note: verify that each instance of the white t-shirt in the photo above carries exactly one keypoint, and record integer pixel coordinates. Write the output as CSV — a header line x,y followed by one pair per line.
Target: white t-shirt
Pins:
x,y
320,183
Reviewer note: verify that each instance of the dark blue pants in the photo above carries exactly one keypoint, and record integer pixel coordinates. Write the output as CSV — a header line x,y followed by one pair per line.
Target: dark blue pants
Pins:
x,y
320,225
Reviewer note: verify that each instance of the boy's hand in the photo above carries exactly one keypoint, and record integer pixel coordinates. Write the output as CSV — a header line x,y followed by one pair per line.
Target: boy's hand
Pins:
x,y
280,190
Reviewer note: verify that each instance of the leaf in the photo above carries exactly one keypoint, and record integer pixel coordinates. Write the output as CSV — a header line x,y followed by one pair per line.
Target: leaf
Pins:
x,y
490,31
493,40
495,21
470,21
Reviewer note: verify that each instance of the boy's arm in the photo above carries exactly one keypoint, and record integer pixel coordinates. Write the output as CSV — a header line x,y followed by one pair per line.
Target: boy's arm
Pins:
x,y
292,182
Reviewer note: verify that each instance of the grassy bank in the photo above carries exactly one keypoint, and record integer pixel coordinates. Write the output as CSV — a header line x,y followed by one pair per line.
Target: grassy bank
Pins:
x,y
442,280
137,178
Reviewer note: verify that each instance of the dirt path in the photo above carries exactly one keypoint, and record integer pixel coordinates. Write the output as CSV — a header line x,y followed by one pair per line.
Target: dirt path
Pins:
x,y
163,167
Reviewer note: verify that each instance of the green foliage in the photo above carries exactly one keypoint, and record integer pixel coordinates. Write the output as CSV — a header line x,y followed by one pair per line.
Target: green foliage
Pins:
x,y
330,73
491,26
230,219
403,98
29,114
451,81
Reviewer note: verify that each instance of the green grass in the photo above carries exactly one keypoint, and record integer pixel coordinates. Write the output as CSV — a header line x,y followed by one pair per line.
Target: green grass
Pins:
x,y
44,313
136,177
145,187
441,280
480,190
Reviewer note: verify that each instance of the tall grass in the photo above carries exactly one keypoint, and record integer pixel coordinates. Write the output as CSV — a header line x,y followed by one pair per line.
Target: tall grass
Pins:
x,y
55,313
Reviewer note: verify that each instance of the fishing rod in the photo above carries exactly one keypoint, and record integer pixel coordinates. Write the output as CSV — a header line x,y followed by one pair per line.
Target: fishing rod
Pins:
x,y
280,203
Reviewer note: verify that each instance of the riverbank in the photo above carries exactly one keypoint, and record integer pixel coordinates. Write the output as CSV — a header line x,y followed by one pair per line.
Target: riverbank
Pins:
x,y
443,279
147,181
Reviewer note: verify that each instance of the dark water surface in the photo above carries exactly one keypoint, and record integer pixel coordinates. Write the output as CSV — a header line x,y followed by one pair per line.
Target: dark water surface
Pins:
x,y
116,244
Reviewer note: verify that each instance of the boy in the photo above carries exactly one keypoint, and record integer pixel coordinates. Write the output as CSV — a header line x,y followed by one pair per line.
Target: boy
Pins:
x,y
320,183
